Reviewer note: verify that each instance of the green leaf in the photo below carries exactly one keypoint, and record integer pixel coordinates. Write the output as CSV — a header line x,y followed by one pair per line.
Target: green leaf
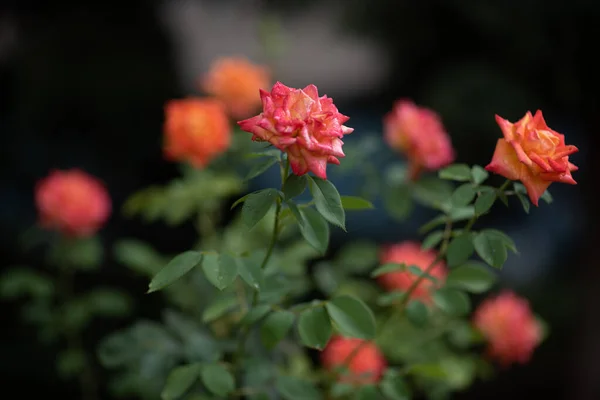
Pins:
x,y
368,392
484,202
463,195
452,301
240,200
355,203
388,298
428,370
138,256
179,381
460,249
328,201
456,172
397,201
22,281
417,313
219,306
217,379
357,256
314,327
432,240
294,186
174,270
547,197
257,205
313,227
462,213
352,317
255,314
508,242
524,201
387,268
433,192
292,388
275,327
417,271
108,302
473,277
250,271
395,387
260,168
269,152
478,174
342,389
490,248
220,269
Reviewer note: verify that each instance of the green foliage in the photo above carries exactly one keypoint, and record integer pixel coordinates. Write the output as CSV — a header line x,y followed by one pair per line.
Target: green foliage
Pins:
x,y
243,324
352,317
294,186
456,172
197,191
180,380
174,270
314,327
217,379
257,205
355,203
313,227
275,327
328,201
472,276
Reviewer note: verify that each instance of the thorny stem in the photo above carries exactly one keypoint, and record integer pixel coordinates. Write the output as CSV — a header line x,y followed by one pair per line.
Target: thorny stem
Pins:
x,y
276,228
87,381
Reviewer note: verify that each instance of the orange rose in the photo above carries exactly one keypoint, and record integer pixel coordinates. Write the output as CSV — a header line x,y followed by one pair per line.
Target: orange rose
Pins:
x,y
418,132
236,81
510,328
196,130
533,154
364,360
410,253
72,202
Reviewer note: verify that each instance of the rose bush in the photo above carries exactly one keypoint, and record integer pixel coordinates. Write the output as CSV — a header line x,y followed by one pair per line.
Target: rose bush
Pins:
x,y
260,307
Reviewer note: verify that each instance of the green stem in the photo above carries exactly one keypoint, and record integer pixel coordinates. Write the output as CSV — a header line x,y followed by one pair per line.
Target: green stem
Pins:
x,y
255,296
87,380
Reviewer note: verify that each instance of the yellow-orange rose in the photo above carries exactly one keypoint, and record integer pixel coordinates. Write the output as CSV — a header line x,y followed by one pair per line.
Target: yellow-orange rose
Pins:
x,y
533,154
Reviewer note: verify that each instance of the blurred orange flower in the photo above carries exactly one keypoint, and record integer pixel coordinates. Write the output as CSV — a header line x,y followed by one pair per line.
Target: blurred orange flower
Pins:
x,y
410,253
509,326
196,130
72,202
363,359
418,132
532,153
236,82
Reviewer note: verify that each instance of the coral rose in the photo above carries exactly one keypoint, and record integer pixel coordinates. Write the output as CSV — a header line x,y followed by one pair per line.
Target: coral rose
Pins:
x,y
410,253
363,359
235,81
533,154
196,130
72,202
307,127
510,328
418,132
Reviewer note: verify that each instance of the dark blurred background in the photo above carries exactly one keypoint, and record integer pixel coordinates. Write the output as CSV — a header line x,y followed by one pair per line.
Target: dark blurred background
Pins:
x,y
83,84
